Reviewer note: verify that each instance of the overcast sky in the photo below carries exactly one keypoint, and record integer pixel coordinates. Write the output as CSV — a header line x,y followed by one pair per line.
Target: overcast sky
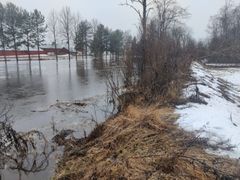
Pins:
x,y
110,13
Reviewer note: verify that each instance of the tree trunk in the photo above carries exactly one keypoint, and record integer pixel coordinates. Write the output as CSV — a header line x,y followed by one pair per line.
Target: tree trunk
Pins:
x,y
16,54
106,54
76,55
3,44
69,57
38,52
86,46
144,46
82,53
86,52
55,44
4,53
15,49
29,56
28,49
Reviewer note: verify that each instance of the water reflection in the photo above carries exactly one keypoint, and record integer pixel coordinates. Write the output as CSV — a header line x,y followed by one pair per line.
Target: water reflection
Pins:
x,y
34,88
20,83
18,73
82,70
57,68
42,78
24,152
98,64
30,70
6,70
40,69
70,84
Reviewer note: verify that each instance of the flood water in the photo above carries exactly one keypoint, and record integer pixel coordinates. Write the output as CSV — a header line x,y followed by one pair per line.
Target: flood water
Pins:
x,y
33,89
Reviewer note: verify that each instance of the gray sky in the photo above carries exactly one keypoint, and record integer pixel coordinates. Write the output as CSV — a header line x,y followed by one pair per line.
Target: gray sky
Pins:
x,y
110,13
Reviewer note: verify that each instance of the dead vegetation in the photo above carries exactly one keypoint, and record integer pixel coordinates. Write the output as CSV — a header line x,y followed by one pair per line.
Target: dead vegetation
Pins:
x,y
143,143
24,152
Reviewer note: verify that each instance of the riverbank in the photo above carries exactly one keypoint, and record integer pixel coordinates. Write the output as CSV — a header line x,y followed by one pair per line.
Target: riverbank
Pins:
x,y
143,143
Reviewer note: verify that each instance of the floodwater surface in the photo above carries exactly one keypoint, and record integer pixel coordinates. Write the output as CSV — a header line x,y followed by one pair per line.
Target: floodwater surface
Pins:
x,y
40,94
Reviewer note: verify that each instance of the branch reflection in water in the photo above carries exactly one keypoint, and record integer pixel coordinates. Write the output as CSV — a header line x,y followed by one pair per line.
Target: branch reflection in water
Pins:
x,y
25,152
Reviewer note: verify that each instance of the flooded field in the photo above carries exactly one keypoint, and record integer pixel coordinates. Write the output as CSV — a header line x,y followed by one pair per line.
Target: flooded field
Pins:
x,y
44,93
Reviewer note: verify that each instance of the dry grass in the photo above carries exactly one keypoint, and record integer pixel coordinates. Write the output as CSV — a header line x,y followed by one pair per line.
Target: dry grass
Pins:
x,y
142,143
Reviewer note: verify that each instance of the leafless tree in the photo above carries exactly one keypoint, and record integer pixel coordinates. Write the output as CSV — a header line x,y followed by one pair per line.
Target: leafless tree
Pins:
x,y
52,26
66,26
143,12
224,35
169,13
167,60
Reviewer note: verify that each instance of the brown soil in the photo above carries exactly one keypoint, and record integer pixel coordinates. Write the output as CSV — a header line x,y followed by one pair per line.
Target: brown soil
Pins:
x,y
143,143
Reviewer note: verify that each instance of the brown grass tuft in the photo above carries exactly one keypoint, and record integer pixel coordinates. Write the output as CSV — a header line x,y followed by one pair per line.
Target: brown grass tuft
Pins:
x,y
143,143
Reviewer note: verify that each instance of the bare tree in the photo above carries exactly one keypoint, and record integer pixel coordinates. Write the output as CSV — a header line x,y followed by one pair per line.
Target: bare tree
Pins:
x,y
224,38
145,7
164,62
168,14
52,26
13,27
66,22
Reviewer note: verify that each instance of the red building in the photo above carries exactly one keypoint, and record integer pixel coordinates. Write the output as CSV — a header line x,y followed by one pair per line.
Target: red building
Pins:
x,y
33,53
11,53
53,51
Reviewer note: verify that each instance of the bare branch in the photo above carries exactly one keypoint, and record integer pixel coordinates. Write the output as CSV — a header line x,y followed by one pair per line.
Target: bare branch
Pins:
x,y
134,8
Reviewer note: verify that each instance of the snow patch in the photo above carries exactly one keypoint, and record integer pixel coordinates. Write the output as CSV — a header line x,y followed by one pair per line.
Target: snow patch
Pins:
x,y
219,120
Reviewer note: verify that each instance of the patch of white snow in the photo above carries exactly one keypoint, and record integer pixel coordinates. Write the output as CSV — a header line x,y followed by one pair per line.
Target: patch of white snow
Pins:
x,y
219,120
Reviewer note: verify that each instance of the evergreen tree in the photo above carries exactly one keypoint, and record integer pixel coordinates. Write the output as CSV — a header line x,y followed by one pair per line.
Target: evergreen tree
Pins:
x,y
116,42
14,22
3,38
97,45
106,40
82,37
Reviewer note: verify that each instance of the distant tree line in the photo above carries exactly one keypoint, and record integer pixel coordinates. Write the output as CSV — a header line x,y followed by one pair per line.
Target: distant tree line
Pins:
x,y
20,28
24,30
223,43
107,41
84,36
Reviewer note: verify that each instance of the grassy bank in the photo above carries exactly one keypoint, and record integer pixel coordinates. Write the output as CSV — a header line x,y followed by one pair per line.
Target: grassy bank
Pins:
x,y
142,143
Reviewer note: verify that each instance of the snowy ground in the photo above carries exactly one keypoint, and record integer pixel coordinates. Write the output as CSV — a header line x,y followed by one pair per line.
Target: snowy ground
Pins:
x,y
218,118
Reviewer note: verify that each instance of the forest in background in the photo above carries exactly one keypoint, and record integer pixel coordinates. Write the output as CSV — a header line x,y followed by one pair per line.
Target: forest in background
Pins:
x,y
24,30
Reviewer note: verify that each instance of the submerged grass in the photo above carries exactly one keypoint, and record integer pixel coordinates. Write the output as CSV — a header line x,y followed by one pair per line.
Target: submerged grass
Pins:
x,y
142,143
